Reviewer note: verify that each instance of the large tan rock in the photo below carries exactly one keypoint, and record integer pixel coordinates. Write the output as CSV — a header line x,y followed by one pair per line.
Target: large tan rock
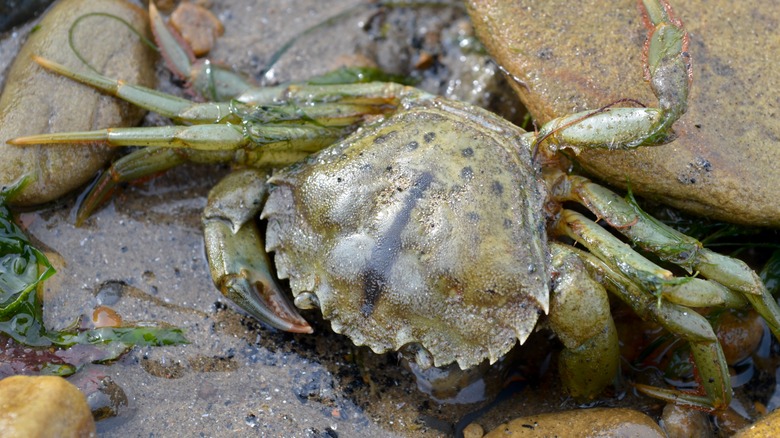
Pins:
x,y
768,426
581,423
569,58
43,406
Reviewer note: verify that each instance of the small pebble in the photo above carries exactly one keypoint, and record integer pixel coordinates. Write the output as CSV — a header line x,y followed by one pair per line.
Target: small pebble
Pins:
x,y
473,430
198,26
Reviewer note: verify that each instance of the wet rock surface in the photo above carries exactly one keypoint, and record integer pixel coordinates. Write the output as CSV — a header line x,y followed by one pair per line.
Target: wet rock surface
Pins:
x,y
597,422
43,406
767,426
29,103
723,163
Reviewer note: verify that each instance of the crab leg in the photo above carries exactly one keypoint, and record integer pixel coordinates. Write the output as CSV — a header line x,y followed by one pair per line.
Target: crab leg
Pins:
x,y
216,83
580,317
694,328
686,290
671,245
239,263
289,123
668,70
328,105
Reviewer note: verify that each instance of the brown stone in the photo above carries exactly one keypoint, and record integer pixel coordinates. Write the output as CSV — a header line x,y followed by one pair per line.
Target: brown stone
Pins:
x,y
36,101
43,406
567,58
581,423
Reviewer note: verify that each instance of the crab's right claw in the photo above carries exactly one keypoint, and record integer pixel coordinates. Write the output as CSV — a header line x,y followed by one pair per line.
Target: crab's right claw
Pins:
x,y
236,253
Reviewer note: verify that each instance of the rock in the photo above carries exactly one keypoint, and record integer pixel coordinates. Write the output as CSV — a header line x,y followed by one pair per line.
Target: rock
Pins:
x,y
680,422
723,163
36,101
581,423
765,427
43,406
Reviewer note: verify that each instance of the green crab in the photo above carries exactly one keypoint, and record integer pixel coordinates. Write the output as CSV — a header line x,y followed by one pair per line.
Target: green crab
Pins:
x,y
429,226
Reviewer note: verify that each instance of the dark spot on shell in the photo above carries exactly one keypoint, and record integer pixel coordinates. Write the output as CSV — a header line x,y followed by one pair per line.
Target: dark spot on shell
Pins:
x,y
379,139
468,152
338,179
497,188
467,173
412,145
473,217
429,136
389,168
507,223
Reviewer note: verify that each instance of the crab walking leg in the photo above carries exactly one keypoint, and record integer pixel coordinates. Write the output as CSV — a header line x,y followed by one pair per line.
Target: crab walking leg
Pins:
x,y
169,146
667,68
327,105
131,167
695,329
671,245
289,123
239,264
660,282
580,317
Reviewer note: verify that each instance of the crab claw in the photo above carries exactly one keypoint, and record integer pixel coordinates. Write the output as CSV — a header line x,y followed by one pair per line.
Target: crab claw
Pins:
x,y
263,300
240,269
240,266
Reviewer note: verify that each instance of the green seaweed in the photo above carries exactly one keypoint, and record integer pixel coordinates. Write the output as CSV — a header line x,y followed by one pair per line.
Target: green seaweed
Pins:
x,y
23,268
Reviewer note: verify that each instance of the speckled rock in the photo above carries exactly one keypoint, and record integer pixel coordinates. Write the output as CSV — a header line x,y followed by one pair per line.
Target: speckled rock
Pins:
x,y
724,162
581,423
35,101
43,406
767,426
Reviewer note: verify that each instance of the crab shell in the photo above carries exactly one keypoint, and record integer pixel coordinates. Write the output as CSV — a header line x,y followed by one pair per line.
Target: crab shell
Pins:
x,y
425,228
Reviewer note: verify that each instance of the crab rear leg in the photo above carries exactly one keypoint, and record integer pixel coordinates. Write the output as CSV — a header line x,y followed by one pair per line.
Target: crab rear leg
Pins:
x,y
580,317
240,266
216,83
694,328
627,275
281,125
327,105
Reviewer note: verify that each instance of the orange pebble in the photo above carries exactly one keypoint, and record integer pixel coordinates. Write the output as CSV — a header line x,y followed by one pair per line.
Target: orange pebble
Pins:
x,y
198,26
104,316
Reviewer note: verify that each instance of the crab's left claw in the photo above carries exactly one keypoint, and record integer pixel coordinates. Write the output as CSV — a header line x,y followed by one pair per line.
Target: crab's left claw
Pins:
x,y
239,264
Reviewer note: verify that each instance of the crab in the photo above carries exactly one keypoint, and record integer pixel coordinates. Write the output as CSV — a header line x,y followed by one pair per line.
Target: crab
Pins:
x,y
426,225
